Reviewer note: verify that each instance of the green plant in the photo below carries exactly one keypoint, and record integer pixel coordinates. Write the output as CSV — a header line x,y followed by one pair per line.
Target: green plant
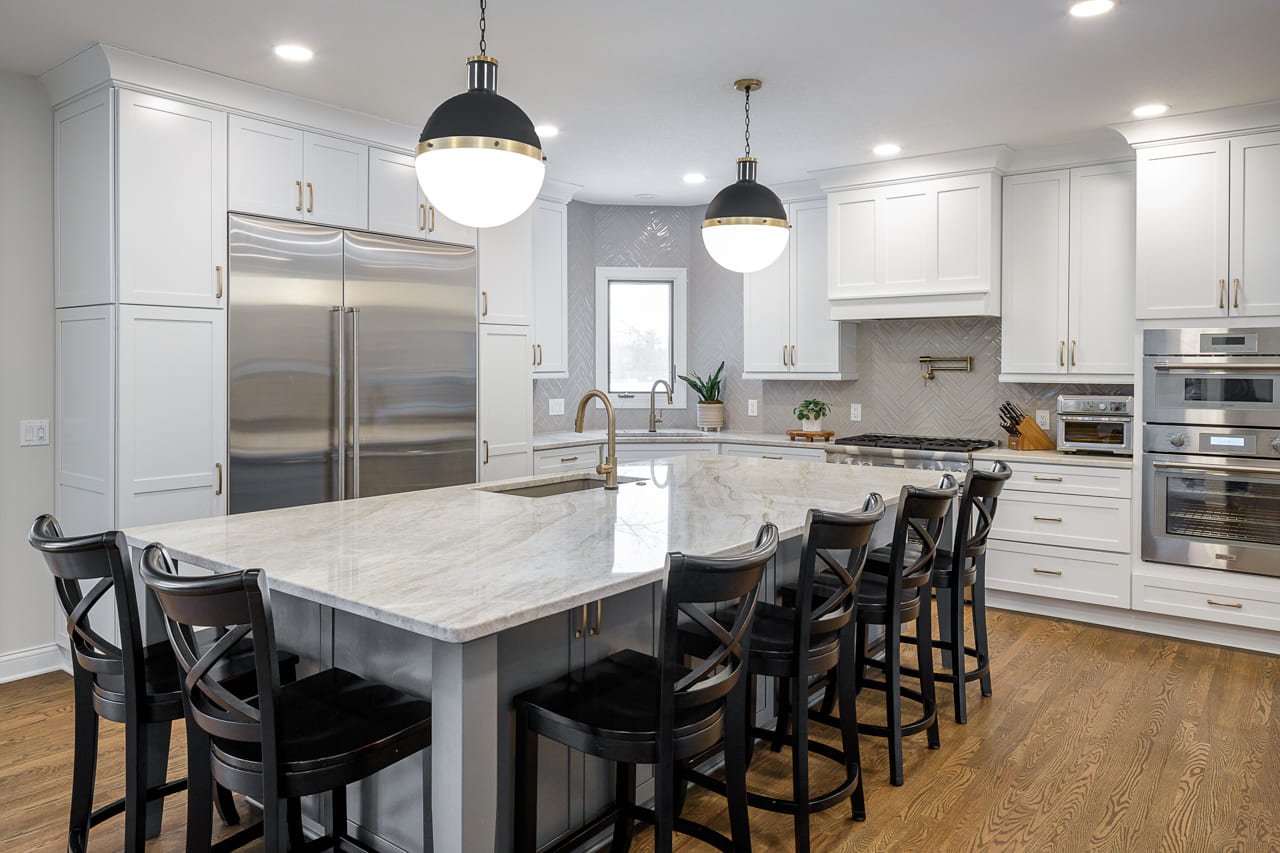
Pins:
x,y
812,410
708,390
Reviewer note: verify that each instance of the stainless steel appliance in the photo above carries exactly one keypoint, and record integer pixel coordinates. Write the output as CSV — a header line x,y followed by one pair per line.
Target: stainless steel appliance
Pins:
x,y
1211,461
910,451
351,364
1095,424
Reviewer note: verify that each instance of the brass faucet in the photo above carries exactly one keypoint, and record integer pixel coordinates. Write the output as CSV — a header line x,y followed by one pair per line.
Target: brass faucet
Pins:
x,y
654,418
610,465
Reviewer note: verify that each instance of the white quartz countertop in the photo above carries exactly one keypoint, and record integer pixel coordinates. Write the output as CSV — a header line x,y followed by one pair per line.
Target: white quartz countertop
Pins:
x,y
557,440
460,563
1056,457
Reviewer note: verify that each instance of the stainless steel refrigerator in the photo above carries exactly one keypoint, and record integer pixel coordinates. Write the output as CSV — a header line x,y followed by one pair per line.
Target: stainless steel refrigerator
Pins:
x,y
351,364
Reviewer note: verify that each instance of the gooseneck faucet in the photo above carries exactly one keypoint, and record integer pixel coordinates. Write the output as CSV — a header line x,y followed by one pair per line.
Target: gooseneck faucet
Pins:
x,y
610,465
654,417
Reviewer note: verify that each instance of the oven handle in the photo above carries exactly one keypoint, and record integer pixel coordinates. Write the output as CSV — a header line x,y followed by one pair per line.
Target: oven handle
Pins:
x,y
1217,469
1203,368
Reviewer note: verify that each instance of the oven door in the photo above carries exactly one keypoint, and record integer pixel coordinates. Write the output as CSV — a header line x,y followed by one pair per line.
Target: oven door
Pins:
x,y
1217,390
1096,433
1212,513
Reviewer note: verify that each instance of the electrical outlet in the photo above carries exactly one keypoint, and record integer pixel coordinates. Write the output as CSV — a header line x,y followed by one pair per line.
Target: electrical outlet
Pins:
x,y
555,406
1042,418
33,433
855,412
752,409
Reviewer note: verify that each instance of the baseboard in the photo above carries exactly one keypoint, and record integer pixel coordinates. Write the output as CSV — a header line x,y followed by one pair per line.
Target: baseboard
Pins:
x,y
25,663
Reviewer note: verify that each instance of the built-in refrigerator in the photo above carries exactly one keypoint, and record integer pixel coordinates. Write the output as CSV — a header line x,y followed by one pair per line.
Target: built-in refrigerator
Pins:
x,y
351,364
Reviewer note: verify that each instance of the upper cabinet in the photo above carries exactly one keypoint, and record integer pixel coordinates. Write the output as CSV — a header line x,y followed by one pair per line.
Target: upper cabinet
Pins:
x,y
928,248
1067,276
550,290
505,272
1208,212
787,330
397,205
280,171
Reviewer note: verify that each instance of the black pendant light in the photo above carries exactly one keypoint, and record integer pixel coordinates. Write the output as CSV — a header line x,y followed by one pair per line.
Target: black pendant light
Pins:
x,y
746,227
479,159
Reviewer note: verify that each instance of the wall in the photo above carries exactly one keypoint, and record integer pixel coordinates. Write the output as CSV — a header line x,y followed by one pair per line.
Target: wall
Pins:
x,y
893,395
26,365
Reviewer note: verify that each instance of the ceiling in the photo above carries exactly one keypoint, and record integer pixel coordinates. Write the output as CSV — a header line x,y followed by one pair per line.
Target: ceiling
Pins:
x,y
643,92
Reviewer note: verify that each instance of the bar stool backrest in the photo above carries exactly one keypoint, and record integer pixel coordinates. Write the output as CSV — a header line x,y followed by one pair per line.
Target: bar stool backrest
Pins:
x,y
922,514
978,511
824,533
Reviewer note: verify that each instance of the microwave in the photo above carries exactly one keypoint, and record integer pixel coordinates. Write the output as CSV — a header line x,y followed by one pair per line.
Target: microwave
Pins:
x,y
1095,424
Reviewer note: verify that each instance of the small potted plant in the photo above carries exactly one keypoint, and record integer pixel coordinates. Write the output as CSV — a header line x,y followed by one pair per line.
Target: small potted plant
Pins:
x,y
710,407
811,413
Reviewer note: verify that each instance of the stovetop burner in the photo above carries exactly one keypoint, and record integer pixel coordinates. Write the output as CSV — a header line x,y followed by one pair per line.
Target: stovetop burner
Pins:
x,y
933,444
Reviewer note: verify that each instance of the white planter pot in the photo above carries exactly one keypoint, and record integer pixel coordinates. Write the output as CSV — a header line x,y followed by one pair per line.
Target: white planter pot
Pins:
x,y
811,425
711,416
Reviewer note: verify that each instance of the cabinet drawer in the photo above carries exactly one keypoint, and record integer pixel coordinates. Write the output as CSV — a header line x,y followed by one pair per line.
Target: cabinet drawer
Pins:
x,y
1101,524
1071,479
641,451
765,451
582,457
1210,595
1093,577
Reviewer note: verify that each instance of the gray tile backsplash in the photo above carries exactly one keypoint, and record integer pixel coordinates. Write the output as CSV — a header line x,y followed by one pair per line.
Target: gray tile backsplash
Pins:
x,y
893,395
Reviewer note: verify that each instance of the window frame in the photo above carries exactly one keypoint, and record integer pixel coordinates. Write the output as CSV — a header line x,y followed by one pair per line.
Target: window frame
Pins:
x,y
678,277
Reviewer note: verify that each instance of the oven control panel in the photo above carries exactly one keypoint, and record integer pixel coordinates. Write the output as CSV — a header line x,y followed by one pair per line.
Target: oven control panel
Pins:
x,y
1212,441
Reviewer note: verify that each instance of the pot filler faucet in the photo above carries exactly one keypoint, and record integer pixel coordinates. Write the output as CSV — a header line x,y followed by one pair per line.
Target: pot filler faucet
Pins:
x,y
654,417
610,465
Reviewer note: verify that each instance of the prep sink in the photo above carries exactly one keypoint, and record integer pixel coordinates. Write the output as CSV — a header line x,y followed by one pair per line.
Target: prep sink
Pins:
x,y
562,487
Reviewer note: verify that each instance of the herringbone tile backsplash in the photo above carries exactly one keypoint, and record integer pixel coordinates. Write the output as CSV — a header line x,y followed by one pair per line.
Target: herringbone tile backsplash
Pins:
x,y
893,395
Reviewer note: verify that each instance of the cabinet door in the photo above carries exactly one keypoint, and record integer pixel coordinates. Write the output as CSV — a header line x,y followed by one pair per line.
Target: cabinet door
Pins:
x,y
172,414
264,168
82,203
506,272
1255,225
1101,316
851,231
393,195
336,178
815,336
84,430
442,229
171,193
766,316
550,289
1182,223
1035,272
506,402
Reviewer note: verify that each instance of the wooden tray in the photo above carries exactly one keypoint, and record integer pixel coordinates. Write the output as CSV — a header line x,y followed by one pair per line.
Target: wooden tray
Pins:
x,y
803,435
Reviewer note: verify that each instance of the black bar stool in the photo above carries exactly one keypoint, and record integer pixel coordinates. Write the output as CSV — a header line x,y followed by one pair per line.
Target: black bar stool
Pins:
x,y
632,708
128,683
318,734
811,637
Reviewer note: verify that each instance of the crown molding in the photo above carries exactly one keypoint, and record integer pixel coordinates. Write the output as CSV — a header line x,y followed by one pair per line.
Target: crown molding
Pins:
x,y
1208,123
560,192
987,159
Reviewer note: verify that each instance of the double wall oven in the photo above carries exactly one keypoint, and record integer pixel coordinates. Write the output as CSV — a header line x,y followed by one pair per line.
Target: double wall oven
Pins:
x,y
1211,461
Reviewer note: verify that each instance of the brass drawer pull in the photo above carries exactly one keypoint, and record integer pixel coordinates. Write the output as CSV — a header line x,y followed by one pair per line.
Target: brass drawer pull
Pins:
x,y
767,456
568,459
218,466
1235,605
1047,571
1062,358
793,355
486,451
581,630
311,197
1044,479
422,217
595,631
298,207
431,226
1222,293
1236,301
484,303
784,355
1054,518
218,295
1073,353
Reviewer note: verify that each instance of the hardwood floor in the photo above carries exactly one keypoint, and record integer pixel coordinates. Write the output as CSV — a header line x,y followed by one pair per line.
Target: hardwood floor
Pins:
x,y
1096,739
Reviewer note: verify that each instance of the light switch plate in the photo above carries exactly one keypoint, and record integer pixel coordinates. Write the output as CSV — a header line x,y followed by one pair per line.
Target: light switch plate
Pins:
x,y
33,433
753,408
855,411
555,406
1042,418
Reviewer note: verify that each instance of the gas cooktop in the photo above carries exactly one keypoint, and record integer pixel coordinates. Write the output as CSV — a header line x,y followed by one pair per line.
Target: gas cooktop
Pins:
x,y
932,444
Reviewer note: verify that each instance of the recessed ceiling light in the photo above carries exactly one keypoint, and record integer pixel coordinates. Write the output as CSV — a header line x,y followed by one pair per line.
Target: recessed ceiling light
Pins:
x,y
1092,8
294,52
1150,110
546,131
886,149
694,178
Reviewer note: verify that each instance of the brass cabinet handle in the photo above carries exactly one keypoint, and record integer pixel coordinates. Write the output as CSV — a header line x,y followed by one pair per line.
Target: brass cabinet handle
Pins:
x,y
218,467
1047,571
1236,284
568,459
766,456
1222,293
1054,518
218,293
793,355
534,349
484,303
582,623
1044,479
485,443
784,355
1235,605
595,630
298,207
1073,353
431,227
422,217
1062,360
311,197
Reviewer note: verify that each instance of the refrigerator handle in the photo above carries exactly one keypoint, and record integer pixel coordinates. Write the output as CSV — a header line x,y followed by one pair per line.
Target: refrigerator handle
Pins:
x,y
340,403
355,402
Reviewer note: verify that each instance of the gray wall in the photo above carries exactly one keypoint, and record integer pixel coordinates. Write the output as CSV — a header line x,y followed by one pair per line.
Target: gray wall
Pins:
x,y
894,397
26,356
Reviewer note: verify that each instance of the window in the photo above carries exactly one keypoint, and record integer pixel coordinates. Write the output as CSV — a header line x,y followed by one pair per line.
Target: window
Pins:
x,y
640,333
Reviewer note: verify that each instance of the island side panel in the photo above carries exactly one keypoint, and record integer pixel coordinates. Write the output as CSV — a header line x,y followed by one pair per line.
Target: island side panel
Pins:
x,y
465,754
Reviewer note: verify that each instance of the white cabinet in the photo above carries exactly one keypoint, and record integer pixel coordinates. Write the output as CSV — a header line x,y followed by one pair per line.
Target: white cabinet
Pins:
x,y
84,428
550,290
280,171
397,206
581,457
927,248
767,451
649,451
1255,224
1067,274
505,402
787,331
505,272
84,208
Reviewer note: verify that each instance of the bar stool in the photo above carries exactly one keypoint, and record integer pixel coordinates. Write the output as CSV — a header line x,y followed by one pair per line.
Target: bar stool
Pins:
x,y
633,708
128,683
810,637
317,734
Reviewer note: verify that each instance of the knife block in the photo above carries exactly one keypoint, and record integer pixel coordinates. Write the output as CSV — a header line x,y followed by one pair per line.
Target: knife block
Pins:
x,y
1032,438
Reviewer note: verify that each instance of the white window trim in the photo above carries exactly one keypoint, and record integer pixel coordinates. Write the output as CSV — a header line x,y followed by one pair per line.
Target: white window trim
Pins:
x,y
679,277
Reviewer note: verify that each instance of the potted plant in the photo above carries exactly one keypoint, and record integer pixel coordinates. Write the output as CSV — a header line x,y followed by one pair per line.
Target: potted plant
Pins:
x,y
811,413
710,407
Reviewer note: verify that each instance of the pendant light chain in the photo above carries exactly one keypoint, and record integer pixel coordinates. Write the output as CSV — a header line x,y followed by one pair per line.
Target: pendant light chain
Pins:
x,y
748,121
483,44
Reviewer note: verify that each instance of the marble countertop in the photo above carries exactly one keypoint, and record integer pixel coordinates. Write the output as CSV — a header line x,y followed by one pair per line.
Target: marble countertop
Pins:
x,y
1056,457
557,440
460,563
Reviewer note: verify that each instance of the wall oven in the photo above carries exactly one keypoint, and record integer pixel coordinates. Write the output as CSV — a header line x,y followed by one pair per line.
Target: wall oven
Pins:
x,y
1212,376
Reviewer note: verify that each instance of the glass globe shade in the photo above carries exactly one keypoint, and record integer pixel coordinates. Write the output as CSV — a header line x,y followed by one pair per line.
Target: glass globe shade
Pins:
x,y
479,187
745,248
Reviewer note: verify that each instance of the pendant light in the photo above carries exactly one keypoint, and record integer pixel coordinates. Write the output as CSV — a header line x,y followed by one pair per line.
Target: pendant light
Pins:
x,y
746,227
479,159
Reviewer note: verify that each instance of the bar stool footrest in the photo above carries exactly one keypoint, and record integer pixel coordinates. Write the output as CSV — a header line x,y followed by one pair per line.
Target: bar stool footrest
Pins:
x,y
929,717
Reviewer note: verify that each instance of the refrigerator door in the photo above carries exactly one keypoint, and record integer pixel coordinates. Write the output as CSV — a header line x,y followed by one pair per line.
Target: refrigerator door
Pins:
x,y
284,325
411,337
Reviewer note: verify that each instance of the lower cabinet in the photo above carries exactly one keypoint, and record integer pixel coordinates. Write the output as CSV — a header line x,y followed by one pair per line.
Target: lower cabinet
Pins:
x,y
505,402
1074,574
767,451
645,452
582,457
1250,601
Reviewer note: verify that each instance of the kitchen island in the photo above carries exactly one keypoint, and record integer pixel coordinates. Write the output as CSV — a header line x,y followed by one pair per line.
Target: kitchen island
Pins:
x,y
470,594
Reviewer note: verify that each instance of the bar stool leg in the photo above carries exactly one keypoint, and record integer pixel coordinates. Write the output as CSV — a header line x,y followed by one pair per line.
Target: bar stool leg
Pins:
x,y
860,656
800,760
782,704
980,623
199,790
844,685
135,788
924,660
624,797
893,696
85,763
664,817
337,812
526,792
739,710
958,663
157,747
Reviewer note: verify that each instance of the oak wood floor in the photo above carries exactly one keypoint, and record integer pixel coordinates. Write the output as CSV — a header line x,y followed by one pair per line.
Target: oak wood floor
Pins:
x,y
1096,739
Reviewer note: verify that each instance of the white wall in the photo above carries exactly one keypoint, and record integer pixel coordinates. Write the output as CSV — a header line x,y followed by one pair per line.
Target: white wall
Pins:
x,y
26,367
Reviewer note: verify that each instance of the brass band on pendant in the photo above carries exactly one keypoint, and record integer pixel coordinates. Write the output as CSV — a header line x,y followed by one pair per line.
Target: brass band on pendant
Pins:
x,y
746,220
488,143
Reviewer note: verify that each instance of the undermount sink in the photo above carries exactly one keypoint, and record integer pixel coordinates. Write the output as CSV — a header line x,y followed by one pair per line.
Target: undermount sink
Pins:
x,y
661,432
561,487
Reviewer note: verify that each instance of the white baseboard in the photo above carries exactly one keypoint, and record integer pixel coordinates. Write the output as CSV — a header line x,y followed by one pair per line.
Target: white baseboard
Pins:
x,y
25,663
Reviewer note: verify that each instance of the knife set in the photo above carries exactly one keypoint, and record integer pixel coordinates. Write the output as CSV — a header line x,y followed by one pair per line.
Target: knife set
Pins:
x,y
1024,432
